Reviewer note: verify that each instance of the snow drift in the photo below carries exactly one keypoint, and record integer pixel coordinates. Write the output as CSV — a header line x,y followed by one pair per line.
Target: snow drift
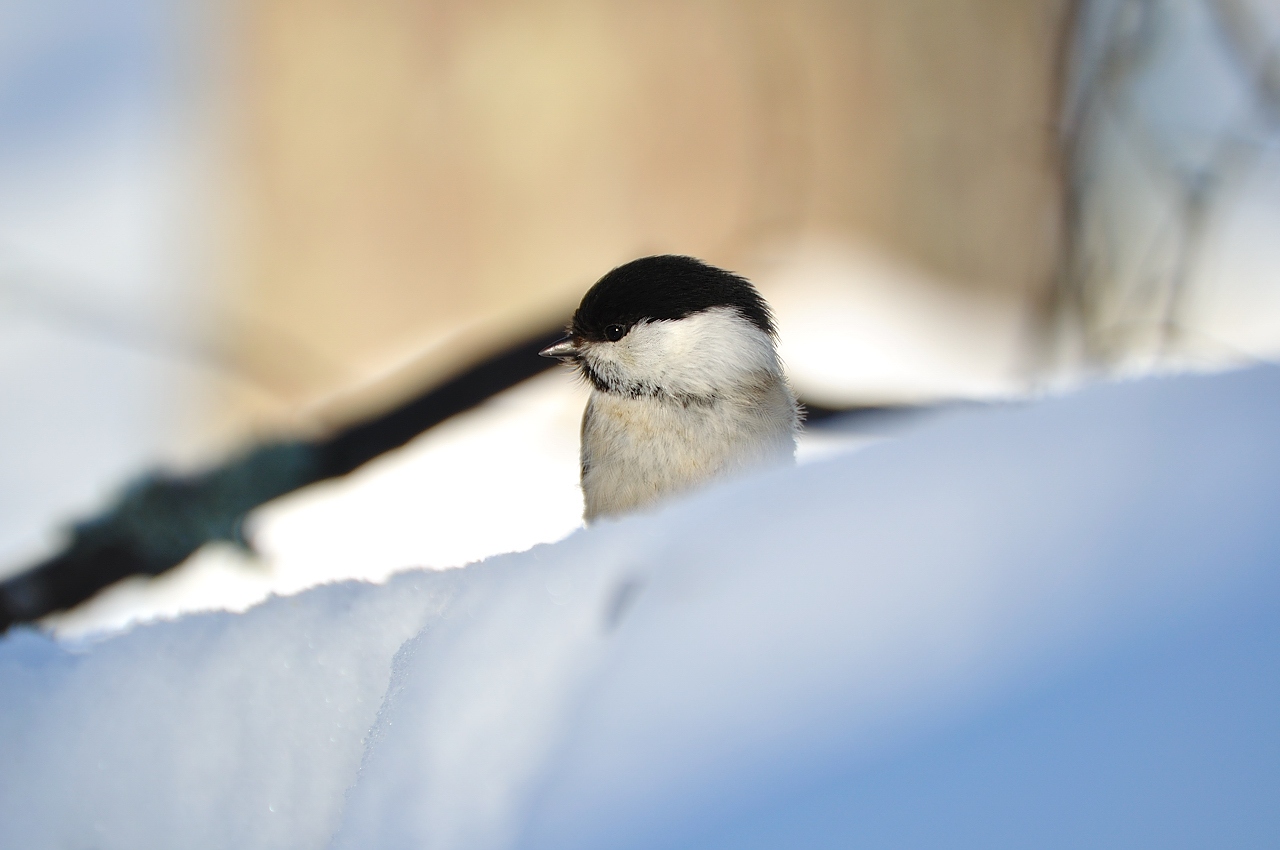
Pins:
x,y
1049,625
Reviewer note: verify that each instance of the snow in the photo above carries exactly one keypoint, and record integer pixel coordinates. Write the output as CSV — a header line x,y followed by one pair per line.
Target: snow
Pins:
x,y
1050,624
214,731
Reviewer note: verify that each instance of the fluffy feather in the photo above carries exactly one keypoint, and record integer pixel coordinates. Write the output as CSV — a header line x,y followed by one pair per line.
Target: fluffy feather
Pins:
x,y
679,402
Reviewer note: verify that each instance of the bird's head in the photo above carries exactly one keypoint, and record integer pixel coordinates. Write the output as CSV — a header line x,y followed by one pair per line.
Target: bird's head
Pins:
x,y
670,326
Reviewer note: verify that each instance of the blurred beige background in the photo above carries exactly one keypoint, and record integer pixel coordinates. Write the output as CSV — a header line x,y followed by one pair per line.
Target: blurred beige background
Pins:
x,y
413,183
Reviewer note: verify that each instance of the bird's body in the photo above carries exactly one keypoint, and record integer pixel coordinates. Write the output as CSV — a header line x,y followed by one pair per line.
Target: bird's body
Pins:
x,y
686,383
636,451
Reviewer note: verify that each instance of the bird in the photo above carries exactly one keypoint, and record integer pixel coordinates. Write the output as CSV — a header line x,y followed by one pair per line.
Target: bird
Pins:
x,y
686,385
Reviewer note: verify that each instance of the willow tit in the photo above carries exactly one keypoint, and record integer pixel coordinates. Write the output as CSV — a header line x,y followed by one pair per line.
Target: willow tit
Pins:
x,y
686,384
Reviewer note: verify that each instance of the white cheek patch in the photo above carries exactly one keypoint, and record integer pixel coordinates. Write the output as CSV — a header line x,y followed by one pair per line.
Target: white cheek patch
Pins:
x,y
697,355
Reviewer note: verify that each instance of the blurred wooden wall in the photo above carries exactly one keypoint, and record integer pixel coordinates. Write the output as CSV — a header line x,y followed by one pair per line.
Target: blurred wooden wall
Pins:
x,y
408,170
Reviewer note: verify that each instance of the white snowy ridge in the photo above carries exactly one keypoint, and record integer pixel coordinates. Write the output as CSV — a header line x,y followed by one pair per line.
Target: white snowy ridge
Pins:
x,y
1041,625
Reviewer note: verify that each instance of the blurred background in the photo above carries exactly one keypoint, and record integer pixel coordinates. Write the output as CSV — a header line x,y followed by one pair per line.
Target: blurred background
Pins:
x,y
230,224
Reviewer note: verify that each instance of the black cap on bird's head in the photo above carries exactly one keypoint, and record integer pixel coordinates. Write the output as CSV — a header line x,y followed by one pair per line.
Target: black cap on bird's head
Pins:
x,y
658,288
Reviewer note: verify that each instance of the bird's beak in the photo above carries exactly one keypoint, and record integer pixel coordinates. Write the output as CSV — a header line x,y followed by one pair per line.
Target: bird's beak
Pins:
x,y
566,349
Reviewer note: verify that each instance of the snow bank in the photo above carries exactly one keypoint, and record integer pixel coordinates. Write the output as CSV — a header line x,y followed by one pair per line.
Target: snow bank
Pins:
x,y
219,730
1044,625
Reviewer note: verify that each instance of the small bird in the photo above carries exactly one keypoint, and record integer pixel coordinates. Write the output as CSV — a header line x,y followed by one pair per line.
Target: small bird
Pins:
x,y
686,384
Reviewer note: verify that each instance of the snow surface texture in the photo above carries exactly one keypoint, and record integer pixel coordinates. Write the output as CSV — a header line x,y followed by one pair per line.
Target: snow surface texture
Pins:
x,y
1047,625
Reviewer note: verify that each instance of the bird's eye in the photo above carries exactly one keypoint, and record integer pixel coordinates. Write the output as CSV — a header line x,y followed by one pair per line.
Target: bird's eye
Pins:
x,y
613,333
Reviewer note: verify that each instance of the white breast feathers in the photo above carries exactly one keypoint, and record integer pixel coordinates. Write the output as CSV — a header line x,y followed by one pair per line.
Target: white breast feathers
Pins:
x,y
683,402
